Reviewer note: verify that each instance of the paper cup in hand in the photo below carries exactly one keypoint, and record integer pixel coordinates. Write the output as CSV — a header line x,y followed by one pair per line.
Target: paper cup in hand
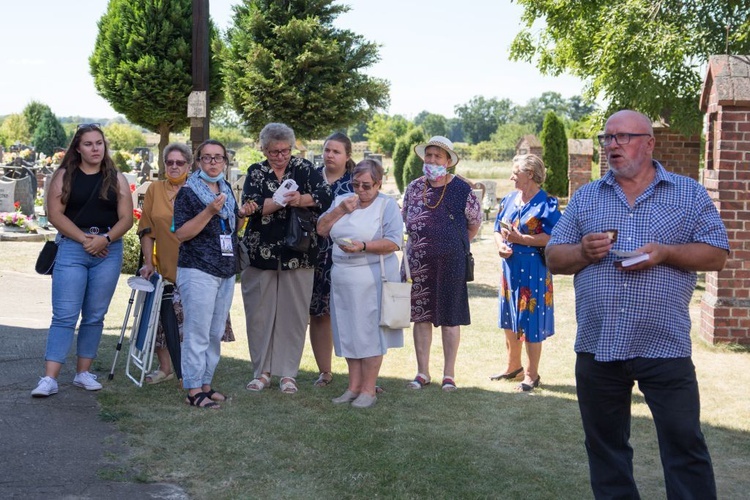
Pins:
x,y
140,284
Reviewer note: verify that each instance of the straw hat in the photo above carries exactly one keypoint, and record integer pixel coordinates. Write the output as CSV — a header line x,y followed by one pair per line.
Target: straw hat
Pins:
x,y
441,142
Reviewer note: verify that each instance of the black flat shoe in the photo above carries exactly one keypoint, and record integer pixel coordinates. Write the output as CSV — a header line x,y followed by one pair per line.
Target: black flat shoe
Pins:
x,y
528,388
507,376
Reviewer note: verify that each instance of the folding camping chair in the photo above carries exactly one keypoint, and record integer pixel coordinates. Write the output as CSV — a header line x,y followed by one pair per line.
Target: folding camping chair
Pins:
x,y
142,332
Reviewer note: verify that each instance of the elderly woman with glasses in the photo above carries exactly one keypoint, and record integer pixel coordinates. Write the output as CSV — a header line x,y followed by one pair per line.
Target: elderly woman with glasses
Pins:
x,y
277,286
206,222
90,205
366,228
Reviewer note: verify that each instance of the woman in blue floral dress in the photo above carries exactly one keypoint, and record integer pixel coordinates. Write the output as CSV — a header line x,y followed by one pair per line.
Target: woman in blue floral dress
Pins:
x,y
524,223
337,171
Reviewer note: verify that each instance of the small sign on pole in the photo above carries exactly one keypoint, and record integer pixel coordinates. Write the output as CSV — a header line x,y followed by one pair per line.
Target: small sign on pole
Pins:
x,y
197,104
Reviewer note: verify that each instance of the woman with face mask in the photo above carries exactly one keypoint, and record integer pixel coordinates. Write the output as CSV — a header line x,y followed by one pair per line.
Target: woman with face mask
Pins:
x,y
206,219
442,216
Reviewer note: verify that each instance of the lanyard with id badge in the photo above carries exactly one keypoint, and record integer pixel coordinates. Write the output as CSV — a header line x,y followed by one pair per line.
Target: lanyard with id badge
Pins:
x,y
225,241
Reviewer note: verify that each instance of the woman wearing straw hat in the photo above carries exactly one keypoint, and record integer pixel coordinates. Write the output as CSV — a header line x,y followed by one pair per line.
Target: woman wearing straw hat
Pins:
x,y
442,216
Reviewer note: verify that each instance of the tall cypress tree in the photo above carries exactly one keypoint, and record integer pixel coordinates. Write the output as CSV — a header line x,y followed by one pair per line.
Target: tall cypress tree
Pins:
x,y
142,63
287,63
555,156
405,147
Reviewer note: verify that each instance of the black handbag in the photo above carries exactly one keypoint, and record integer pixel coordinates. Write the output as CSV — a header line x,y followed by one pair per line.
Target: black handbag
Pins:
x,y
469,267
300,229
46,260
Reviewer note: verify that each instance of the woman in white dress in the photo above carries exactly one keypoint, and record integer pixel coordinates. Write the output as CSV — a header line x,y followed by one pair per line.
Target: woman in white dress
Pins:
x,y
364,226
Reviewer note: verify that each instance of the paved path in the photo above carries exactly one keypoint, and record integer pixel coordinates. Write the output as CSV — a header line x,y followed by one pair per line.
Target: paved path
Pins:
x,y
54,447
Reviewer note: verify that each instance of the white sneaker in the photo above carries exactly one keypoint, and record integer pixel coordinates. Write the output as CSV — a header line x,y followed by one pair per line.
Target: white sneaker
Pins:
x,y
87,381
47,386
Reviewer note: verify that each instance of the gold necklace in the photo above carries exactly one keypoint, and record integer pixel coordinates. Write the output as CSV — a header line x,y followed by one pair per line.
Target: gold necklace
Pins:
x,y
424,195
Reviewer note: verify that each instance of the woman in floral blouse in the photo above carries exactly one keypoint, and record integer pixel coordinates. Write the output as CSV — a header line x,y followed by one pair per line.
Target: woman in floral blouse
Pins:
x,y
277,286
522,229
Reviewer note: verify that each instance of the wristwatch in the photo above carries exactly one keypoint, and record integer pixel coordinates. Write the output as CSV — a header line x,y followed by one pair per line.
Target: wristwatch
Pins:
x,y
364,247
109,240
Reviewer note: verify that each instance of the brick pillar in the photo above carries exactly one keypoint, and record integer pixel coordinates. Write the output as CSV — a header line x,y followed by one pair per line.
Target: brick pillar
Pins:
x,y
580,153
725,98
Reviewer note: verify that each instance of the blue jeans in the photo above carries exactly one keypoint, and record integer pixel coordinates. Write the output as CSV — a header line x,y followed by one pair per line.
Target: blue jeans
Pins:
x,y
206,300
82,285
670,389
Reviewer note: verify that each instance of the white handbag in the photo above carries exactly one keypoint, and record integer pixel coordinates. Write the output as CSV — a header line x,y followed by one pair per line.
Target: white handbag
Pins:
x,y
395,297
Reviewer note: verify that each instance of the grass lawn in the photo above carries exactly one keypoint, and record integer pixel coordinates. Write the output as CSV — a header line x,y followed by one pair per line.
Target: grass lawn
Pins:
x,y
483,441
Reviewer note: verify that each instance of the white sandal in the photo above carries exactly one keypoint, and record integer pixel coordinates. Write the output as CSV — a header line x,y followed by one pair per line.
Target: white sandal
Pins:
x,y
258,384
288,385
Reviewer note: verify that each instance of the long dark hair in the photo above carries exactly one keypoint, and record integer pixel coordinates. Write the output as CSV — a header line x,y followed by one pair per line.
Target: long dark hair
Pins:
x,y
71,162
343,139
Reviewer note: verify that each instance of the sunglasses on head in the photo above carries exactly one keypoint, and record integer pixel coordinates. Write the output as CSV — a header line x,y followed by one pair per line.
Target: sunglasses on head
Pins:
x,y
88,125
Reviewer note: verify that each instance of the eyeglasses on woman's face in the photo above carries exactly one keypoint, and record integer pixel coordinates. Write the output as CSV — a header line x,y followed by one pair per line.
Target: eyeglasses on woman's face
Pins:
x,y
364,186
278,152
208,159
179,163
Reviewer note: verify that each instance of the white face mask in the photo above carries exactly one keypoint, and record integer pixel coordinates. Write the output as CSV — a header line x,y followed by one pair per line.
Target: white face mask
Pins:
x,y
434,172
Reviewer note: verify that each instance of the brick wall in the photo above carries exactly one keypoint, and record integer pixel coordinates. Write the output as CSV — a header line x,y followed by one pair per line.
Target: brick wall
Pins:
x,y
725,307
677,153
580,153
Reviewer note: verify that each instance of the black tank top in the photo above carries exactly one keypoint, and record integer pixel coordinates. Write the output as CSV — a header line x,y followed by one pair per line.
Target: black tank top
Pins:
x,y
99,213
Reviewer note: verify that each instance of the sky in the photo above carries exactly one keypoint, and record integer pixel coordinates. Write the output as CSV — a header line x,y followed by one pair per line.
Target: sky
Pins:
x,y
436,54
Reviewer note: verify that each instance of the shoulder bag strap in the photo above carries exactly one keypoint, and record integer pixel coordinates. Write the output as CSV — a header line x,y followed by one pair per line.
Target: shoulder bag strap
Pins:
x,y
382,235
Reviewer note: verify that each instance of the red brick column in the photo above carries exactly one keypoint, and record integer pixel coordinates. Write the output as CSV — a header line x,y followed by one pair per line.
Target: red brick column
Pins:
x,y
725,307
580,153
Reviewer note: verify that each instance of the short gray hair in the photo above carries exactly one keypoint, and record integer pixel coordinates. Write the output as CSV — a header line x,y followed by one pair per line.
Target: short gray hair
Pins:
x,y
531,163
277,132
369,166
180,148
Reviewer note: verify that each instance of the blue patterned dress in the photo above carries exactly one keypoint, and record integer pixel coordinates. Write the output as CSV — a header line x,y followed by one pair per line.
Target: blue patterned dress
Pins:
x,y
321,296
525,296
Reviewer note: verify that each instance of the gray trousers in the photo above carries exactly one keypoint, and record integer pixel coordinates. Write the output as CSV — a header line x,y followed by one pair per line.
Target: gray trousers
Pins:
x,y
277,310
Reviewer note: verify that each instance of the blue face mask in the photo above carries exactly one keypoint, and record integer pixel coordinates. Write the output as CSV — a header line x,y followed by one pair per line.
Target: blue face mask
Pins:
x,y
203,175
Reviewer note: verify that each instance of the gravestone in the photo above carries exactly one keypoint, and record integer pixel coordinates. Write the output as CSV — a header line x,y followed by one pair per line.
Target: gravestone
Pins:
x,y
25,193
7,195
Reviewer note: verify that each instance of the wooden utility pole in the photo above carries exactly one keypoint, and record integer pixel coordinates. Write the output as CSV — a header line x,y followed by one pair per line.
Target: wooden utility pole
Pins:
x,y
198,101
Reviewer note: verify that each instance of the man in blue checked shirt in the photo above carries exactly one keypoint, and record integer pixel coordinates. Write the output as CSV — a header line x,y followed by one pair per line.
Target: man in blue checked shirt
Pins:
x,y
633,319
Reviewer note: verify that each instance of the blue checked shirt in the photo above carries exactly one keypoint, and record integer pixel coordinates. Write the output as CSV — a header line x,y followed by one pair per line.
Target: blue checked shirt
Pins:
x,y
623,315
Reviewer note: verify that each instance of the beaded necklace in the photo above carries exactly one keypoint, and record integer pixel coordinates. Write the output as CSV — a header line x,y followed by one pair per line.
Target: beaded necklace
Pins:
x,y
424,195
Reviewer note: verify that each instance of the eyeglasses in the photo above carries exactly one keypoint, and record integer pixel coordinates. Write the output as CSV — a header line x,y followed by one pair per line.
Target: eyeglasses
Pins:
x,y
179,163
365,186
208,159
621,139
279,152
88,125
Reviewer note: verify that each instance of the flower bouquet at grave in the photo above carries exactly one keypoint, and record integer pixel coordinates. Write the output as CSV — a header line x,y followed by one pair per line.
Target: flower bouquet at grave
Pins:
x,y
17,219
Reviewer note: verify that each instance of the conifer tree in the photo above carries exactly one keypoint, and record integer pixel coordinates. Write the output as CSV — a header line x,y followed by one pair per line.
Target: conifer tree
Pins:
x,y
287,62
142,64
49,134
555,155
405,146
